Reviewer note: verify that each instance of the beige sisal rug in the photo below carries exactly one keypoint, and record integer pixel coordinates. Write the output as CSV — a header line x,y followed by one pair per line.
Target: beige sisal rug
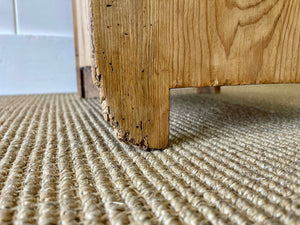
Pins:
x,y
234,158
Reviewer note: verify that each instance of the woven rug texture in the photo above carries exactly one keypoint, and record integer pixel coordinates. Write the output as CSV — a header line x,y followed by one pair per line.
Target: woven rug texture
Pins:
x,y
234,158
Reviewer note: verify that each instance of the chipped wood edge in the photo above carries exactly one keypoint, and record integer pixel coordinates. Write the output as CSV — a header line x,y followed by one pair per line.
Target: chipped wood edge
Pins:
x,y
120,133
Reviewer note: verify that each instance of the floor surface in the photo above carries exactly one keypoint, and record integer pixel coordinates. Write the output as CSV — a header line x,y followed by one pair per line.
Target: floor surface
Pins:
x,y
233,159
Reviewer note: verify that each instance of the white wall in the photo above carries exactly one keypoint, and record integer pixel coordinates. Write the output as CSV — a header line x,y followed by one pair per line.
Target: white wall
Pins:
x,y
36,47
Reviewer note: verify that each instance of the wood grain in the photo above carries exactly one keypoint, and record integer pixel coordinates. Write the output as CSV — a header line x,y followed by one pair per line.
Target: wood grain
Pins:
x,y
145,47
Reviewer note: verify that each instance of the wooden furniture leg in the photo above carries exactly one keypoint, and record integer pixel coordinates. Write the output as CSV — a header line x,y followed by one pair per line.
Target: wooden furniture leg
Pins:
x,y
143,48
83,53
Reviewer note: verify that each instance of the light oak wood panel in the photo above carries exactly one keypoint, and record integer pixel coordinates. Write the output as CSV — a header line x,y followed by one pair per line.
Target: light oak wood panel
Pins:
x,y
145,47
83,51
229,42
82,35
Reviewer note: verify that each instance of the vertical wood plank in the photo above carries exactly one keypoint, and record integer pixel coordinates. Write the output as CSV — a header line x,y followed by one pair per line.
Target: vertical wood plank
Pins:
x,y
83,51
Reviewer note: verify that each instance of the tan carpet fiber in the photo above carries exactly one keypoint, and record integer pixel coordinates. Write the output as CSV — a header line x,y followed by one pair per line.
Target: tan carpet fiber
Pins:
x,y
233,159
